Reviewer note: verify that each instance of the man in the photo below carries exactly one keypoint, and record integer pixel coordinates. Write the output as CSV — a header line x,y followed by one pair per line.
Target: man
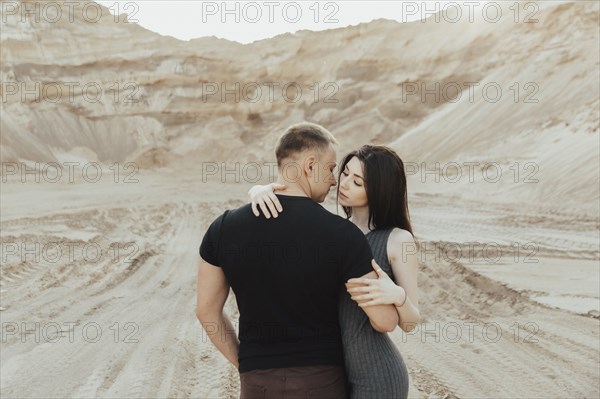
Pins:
x,y
287,274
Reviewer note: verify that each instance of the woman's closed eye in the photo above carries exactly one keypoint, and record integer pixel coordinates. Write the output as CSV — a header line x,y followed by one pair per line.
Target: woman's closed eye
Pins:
x,y
345,173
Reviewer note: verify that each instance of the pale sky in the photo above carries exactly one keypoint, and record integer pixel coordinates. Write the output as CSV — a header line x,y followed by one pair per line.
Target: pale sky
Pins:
x,y
247,21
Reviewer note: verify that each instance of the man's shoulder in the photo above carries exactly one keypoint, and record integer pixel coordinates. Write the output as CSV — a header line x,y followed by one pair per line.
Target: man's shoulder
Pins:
x,y
344,227
234,214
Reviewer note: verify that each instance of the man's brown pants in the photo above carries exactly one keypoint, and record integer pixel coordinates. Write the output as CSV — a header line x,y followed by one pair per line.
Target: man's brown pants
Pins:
x,y
307,382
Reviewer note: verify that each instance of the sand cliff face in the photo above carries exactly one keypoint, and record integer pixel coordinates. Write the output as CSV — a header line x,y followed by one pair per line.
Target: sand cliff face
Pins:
x,y
128,94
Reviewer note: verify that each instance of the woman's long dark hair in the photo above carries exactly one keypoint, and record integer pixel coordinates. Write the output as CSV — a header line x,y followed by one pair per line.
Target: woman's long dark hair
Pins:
x,y
385,184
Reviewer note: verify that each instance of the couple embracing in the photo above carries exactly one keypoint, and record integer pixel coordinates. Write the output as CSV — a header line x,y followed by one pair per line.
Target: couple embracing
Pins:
x,y
317,293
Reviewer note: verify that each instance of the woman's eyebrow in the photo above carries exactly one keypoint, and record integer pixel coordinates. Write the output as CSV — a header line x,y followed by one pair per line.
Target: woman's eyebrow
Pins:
x,y
355,174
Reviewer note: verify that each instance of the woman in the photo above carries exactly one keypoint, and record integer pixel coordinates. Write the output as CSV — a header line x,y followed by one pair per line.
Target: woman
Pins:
x,y
372,192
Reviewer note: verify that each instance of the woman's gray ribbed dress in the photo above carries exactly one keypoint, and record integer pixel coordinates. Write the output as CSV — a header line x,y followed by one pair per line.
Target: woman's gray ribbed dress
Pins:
x,y
374,365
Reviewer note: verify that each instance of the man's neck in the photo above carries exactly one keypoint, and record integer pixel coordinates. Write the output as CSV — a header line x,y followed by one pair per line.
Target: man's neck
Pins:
x,y
292,189
288,193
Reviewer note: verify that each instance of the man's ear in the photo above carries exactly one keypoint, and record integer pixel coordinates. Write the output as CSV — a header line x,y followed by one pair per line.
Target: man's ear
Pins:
x,y
309,164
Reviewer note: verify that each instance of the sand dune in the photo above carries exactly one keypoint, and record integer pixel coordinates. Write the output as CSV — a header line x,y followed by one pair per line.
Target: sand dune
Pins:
x,y
378,75
163,351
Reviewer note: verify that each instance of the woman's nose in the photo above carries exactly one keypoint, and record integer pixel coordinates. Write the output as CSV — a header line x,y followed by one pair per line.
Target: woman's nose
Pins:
x,y
343,182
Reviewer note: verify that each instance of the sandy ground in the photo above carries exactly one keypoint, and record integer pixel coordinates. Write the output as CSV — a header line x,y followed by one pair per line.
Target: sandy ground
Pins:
x,y
491,328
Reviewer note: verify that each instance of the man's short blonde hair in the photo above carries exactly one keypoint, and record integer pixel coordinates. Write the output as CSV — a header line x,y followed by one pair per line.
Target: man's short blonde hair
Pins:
x,y
300,137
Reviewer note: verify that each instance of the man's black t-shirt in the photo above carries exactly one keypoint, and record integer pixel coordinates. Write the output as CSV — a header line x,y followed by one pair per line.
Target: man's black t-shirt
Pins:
x,y
287,273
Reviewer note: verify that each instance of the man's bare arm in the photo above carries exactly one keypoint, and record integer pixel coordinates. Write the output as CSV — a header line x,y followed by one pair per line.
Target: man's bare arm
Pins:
x,y
212,292
383,318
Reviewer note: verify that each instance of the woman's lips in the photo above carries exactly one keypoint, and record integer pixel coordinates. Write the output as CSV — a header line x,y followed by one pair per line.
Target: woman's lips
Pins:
x,y
342,195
